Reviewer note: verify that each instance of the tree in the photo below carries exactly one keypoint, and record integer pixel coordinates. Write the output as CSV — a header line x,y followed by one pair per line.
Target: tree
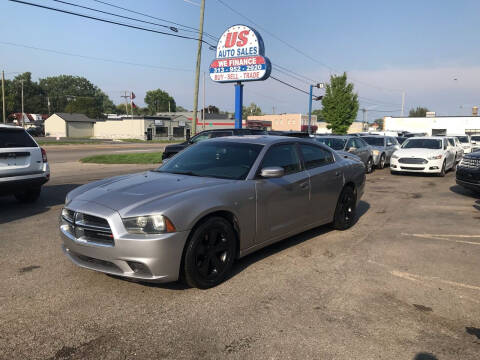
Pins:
x,y
180,109
252,109
90,106
158,101
212,109
318,113
379,121
418,112
340,104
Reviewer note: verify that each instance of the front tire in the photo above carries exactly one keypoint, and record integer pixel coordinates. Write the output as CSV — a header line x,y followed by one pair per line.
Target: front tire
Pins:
x,y
346,209
381,163
29,195
210,253
369,166
442,172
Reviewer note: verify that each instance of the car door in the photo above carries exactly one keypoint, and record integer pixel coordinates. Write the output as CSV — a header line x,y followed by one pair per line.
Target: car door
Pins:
x,y
363,150
325,182
352,148
283,203
449,153
390,143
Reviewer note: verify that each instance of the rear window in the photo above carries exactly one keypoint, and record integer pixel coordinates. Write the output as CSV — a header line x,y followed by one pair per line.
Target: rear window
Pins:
x,y
374,141
12,138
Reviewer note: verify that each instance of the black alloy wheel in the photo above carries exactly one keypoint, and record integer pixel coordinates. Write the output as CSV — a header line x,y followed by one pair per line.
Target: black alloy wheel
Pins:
x,y
346,209
381,163
210,253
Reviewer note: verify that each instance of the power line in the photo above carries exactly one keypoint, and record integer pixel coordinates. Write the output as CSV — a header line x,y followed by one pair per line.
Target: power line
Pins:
x,y
290,85
108,21
93,58
195,30
292,76
120,16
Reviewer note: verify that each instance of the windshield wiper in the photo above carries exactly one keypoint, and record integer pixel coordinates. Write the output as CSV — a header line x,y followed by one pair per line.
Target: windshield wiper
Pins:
x,y
189,173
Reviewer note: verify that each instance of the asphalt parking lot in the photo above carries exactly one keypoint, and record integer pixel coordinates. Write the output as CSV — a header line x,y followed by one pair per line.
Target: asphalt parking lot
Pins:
x,y
401,284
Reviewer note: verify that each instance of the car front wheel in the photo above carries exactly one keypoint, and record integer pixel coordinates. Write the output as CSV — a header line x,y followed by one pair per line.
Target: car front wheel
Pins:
x,y
369,165
29,195
442,172
210,253
381,163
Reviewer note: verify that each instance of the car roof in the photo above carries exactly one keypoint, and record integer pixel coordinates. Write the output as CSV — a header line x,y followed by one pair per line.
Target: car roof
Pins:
x,y
428,137
337,136
258,139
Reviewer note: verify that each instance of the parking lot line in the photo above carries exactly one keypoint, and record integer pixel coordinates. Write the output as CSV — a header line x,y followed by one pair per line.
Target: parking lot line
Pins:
x,y
446,238
415,277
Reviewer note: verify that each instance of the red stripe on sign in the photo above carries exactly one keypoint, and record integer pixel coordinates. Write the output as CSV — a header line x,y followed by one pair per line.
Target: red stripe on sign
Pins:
x,y
208,122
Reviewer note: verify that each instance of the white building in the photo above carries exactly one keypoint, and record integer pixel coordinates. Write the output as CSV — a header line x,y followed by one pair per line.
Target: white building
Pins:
x,y
434,125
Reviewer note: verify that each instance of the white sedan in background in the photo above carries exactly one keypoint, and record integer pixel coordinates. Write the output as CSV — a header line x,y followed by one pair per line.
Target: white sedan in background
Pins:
x,y
432,155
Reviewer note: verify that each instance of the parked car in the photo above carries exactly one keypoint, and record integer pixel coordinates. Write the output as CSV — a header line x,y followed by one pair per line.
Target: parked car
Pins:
x,y
401,139
457,147
382,148
214,202
36,131
352,144
23,164
475,140
171,150
424,155
466,144
468,172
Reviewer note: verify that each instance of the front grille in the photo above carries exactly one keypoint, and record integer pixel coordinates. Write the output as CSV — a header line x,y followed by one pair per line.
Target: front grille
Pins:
x,y
88,228
412,161
469,162
411,168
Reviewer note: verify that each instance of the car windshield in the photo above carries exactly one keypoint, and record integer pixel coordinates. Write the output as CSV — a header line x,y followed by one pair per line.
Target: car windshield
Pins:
x,y
334,143
12,138
224,160
422,144
476,138
463,139
374,140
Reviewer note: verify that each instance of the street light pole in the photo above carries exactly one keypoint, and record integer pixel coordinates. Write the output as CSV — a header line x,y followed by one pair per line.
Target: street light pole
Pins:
x,y
3,97
309,109
23,122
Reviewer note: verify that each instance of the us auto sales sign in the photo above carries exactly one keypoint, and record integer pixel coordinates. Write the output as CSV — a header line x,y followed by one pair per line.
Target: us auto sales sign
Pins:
x,y
240,56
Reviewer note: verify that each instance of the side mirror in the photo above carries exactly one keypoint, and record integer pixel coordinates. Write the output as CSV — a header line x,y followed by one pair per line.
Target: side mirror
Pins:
x,y
351,149
272,172
164,161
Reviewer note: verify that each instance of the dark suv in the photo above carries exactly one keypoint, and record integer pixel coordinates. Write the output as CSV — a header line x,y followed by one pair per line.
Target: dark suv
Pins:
x,y
468,172
171,150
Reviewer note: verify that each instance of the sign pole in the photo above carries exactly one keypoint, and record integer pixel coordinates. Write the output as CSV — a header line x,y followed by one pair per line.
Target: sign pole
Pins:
x,y
238,104
310,108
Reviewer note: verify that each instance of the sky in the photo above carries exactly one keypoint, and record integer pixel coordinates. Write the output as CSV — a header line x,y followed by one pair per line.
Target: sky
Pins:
x,y
427,49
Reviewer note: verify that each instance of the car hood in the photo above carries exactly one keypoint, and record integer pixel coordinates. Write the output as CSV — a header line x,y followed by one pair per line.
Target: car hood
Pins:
x,y
125,193
175,147
418,152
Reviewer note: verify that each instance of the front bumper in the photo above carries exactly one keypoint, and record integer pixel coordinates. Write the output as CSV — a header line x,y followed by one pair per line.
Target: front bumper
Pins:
x,y
153,258
431,167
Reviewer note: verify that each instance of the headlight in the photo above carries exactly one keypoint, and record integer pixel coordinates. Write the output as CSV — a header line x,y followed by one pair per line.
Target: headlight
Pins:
x,y
376,152
436,157
152,224
394,156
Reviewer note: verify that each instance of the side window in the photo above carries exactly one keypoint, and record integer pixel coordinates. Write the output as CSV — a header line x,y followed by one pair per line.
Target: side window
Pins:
x,y
285,156
359,143
390,141
445,144
314,156
216,134
350,144
200,137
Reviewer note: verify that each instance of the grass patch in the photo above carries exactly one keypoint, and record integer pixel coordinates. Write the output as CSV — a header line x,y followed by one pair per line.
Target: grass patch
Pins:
x,y
150,141
68,142
142,158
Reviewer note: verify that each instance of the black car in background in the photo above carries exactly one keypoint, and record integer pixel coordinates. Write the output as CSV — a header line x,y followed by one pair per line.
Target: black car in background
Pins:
x,y
299,134
171,150
468,172
401,139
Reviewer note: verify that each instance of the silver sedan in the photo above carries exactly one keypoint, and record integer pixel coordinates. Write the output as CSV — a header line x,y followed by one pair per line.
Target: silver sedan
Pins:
x,y
214,202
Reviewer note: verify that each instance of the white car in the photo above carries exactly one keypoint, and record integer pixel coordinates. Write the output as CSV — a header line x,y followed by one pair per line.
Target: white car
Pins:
x,y
466,143
23,164
457,147
431,155
475,139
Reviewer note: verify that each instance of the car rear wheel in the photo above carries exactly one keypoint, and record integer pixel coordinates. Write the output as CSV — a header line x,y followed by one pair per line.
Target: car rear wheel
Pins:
x,y
29,195
345,210
210,253
381,163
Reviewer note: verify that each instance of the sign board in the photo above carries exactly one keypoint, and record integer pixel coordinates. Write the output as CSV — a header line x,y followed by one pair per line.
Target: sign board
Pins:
x,y
181,123
240,56
158,122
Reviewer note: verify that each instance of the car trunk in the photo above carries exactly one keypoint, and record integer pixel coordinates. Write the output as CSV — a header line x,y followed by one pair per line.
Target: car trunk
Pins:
x,y
19,154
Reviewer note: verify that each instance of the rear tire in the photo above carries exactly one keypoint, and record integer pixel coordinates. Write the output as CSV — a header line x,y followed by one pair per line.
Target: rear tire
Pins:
x,y
210,253
29,195
346,209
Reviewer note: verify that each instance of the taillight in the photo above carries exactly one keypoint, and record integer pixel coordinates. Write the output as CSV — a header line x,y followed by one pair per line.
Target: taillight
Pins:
x,y
44,155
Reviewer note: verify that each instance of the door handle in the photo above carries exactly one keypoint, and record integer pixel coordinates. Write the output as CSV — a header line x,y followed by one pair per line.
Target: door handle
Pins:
x,y
304,185
337,173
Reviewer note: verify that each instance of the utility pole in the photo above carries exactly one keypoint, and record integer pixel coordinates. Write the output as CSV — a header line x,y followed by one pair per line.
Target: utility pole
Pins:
x,y
320,86
23,122
3,97
203,111
197,69
403,102
126,102
273,109
364,119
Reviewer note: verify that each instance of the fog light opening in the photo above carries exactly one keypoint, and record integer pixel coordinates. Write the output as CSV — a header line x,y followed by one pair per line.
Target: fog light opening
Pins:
x,y
139,268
